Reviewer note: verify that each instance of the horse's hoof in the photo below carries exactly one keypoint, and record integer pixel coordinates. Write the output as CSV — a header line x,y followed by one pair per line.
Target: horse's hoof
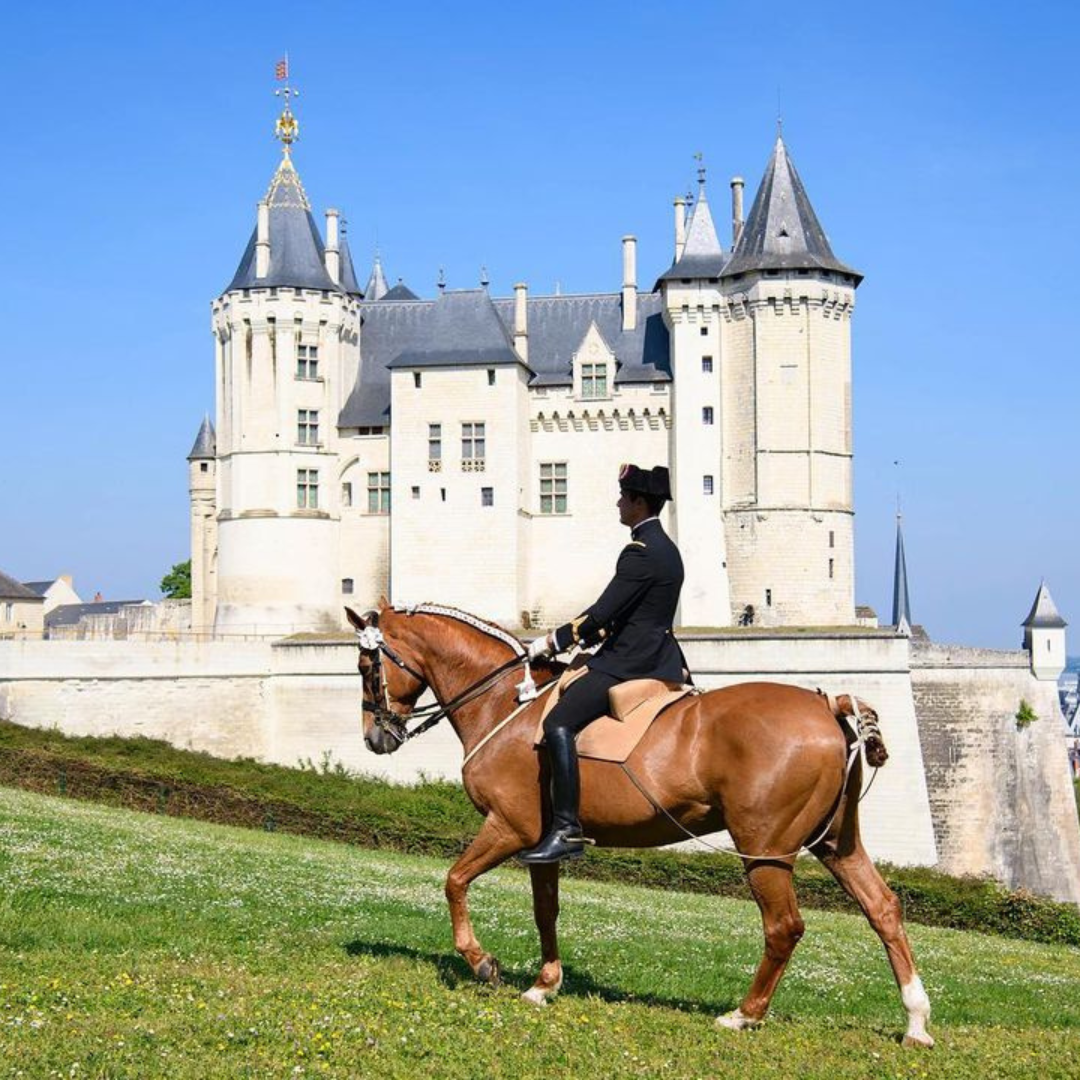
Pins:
x,y
488,971
736,1021
922,1039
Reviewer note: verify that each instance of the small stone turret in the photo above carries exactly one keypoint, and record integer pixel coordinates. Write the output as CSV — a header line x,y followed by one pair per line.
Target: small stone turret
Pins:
x,y
1044,636
202,489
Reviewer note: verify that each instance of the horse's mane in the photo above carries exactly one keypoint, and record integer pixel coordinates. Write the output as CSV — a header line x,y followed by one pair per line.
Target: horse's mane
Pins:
x,y
492,629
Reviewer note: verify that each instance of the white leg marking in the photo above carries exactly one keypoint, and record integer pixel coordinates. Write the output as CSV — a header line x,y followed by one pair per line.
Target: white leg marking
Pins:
x,y
539,994
736,1021
918,1009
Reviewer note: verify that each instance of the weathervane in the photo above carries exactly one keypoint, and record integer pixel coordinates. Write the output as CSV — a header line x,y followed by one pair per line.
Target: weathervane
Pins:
x,y
699,157
287,128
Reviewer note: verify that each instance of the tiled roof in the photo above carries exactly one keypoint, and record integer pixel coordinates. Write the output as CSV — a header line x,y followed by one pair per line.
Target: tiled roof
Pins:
x,y
297,254
205,442
1044,613
70,614
10,589
414,330
782,231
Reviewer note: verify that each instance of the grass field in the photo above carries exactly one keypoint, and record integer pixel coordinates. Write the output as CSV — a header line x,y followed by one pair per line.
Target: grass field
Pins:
x,y
134,945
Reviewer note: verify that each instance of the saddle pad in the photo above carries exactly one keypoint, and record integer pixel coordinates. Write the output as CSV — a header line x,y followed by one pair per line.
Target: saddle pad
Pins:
x,y
640,702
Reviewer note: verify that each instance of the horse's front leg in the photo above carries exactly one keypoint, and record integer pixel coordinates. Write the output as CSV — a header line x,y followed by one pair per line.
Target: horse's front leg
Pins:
x,y
545,890
495,843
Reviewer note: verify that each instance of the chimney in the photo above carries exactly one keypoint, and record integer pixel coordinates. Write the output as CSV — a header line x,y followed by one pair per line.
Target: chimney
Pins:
x,y
629,283
262,240
333,257
736,210
521,320
680,227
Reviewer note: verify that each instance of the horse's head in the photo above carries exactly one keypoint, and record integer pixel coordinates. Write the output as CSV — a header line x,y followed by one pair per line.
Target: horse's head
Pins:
x,y
391,680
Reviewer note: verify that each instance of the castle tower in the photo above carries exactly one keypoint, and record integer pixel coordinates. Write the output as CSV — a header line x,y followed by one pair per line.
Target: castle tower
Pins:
x,y
202,488
787,304
691,310
287,351
1044,636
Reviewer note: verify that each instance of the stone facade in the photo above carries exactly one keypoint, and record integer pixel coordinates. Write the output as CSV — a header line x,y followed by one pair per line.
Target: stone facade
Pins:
x,y
734,371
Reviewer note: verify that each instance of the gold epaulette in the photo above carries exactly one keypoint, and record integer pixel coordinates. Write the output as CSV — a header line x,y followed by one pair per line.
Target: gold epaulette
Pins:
x,y
637,543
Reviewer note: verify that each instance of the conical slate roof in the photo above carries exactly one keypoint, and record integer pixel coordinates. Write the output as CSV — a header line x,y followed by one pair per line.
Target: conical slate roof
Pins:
x,y
702,256
1044,613
376,285
782,231
901,605
205,442
348,271
297,253
400,291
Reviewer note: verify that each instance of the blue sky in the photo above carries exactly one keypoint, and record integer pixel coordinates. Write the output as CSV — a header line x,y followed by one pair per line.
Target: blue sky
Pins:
x,y
938,142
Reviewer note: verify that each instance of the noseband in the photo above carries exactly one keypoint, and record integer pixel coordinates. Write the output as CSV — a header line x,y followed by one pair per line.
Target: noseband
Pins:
x,y
371,643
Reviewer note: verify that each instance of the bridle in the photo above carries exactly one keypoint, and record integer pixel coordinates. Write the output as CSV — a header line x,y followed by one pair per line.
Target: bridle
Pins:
x,y
373,644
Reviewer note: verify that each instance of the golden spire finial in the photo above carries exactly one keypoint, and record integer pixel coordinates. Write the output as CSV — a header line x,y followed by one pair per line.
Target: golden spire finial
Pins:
x,y
287,128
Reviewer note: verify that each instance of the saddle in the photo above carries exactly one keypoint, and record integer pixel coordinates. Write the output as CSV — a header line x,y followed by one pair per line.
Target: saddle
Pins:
x,y
634,706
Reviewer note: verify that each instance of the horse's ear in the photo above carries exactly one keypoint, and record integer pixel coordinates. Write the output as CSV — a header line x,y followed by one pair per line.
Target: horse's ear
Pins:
x,y
383,603
356,620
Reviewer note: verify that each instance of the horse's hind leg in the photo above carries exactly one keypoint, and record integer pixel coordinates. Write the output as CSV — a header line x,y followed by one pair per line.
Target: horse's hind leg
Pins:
x,y
783,925
493,844
545,890
860,879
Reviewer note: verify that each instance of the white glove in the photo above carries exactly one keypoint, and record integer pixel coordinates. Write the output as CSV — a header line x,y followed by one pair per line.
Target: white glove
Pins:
x,y
540,647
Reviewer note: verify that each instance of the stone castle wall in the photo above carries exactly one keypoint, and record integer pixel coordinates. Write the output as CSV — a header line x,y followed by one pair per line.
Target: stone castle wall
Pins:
x,y
1000,793
963,788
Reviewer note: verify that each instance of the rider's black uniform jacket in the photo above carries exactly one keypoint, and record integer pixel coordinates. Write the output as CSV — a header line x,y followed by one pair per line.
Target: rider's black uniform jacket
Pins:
x,y
634,614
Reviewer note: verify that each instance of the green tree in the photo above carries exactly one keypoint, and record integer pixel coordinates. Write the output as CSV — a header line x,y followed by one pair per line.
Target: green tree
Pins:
x,y
176,584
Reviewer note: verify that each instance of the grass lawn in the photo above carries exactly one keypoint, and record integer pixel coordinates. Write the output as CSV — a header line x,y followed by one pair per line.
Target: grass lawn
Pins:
x,y
135,945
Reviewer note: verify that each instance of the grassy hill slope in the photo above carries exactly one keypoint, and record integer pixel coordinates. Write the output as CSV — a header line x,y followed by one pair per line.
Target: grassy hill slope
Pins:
x,y
134,945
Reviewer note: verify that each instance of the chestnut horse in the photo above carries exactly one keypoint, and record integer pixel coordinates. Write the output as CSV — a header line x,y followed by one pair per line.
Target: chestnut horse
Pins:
x,y
767,762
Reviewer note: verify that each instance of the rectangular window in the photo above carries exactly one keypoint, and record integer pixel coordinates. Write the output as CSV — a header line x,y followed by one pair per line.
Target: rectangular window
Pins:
x,y
9,612
378,492
415,491
704,331
487,496
346,494
707,414
491,376
707,485
307,489
434,448
830,569
347,586
307,361
473,447
768,597
416,379
553,487
594,381
307,427
706,364
832,538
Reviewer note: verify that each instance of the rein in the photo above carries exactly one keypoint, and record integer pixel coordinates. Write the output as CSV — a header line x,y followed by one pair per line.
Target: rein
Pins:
x,y
370,640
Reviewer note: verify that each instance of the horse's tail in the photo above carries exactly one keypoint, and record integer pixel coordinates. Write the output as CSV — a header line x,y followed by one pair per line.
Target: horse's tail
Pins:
x,y
866,722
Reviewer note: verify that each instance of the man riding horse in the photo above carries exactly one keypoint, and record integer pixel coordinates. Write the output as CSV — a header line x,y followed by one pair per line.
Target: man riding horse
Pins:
x,y
633,621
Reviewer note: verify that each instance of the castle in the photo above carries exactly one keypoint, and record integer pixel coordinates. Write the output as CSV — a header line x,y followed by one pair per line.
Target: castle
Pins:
x,y
464,449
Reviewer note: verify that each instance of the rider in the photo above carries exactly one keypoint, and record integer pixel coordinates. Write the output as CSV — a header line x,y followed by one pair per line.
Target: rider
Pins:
x,y
633,620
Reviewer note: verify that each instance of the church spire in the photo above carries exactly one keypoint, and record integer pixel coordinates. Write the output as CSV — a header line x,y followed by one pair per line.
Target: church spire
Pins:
x,y
901,605
782,231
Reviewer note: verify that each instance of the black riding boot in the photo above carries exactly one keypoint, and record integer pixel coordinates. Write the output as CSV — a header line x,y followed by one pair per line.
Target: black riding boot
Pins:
x,y
564,839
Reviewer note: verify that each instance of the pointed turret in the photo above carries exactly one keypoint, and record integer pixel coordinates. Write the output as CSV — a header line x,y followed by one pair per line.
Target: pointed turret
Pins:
x,y
297,256
376,285
205,442
1044,636
901,603
702,256
348,270
782,231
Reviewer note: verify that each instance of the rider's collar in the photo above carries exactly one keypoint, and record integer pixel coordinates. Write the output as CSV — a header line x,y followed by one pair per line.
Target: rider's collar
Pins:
x,y
641,525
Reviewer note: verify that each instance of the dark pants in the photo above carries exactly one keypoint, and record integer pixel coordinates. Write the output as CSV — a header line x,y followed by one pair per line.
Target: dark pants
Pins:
x,y
583,701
